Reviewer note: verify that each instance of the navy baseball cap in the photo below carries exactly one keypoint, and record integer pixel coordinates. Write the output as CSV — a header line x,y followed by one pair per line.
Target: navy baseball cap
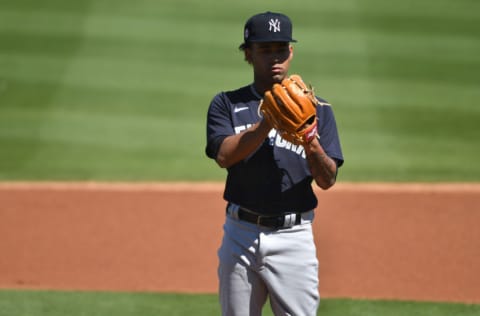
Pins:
x,y
268,27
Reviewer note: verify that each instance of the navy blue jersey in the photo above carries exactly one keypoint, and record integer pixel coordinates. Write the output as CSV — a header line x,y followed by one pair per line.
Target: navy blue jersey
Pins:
x,y
275,178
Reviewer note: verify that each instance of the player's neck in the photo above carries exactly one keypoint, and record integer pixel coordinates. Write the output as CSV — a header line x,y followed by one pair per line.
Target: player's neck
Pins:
x,y
262,84
260,87
255,91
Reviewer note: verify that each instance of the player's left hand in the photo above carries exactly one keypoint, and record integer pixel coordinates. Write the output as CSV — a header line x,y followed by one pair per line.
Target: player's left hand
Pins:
x,y
290,108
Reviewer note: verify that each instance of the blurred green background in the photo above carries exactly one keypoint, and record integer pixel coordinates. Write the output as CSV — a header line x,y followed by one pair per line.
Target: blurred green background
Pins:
x,y
118,90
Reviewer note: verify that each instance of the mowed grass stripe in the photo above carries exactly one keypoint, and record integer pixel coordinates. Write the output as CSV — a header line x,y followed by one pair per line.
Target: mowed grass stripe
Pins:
x,y
402,79
53,303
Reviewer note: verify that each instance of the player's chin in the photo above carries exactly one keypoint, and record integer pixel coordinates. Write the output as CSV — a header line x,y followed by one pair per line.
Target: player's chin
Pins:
x,y
277,77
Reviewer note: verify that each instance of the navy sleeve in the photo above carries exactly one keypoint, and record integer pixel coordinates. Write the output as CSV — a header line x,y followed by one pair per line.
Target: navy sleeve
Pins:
x,y
327,129
219,124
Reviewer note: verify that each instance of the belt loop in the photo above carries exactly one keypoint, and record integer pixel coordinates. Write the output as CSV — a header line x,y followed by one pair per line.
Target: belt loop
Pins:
x,y
289,220
232,210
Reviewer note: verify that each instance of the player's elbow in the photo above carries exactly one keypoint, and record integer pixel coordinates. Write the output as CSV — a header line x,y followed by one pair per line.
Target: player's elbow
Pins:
x,y
222,164
222,161
325,184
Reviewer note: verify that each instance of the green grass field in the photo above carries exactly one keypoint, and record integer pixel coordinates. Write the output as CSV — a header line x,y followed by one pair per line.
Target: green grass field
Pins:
x,y
118,90
47,303
108,90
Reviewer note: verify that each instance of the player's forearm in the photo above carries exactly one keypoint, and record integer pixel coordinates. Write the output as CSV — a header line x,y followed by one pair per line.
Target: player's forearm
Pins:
x,y
237,147
322,167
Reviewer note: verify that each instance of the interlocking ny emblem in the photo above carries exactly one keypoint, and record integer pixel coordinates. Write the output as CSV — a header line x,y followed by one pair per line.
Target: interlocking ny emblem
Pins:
x,y
274,25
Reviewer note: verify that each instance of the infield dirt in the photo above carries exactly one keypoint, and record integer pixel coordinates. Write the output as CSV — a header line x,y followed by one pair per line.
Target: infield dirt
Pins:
x,y
389,241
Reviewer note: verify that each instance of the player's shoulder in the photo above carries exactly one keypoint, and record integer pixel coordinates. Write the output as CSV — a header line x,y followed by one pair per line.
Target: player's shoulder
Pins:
x,y
324,108
233,95
241,95
226,101
237,97
322,101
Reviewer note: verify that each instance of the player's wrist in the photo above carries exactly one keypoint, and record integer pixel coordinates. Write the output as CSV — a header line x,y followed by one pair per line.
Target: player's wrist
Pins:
x,y
314,148
264,126
310,133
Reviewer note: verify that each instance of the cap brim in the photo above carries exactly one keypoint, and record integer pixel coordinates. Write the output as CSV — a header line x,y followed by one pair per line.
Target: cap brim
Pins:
x,y
244,44
266,40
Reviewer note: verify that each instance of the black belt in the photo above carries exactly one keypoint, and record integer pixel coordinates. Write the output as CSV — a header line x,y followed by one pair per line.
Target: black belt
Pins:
x,y
276,221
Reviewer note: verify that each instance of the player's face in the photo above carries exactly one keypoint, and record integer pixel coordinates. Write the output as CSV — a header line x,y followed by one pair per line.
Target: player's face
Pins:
x,y
270,60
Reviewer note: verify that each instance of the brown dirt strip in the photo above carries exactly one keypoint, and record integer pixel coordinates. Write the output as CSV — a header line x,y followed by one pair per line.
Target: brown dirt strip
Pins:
x,y
390,241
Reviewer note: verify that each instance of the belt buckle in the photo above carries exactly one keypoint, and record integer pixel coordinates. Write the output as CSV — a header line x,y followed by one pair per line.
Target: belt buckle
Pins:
x,y
277,225
289,219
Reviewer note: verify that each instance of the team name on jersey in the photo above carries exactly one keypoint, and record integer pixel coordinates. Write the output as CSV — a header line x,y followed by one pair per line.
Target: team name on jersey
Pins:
x,y
277,141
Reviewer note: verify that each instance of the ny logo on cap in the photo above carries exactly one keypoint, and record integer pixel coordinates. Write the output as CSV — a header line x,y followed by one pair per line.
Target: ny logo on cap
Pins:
x,y
274,25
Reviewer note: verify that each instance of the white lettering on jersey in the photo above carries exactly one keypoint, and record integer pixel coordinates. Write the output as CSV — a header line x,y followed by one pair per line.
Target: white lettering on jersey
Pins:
x,y
241,128
276,140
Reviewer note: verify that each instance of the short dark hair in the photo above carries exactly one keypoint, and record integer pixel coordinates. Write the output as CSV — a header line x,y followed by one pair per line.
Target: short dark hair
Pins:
x,y
244,46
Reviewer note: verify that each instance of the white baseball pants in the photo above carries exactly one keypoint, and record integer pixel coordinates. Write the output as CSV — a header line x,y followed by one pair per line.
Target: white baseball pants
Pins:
x,y
257,262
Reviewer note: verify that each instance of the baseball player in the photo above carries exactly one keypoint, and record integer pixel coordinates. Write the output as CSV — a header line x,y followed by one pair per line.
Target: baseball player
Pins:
x,y
268,248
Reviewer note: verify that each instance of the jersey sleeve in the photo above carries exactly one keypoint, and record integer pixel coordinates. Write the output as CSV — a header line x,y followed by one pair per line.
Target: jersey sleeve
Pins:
x,y
219,124
327,129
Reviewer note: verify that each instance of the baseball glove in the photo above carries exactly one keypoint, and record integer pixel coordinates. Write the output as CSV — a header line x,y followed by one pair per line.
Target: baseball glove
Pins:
x,y
290,108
